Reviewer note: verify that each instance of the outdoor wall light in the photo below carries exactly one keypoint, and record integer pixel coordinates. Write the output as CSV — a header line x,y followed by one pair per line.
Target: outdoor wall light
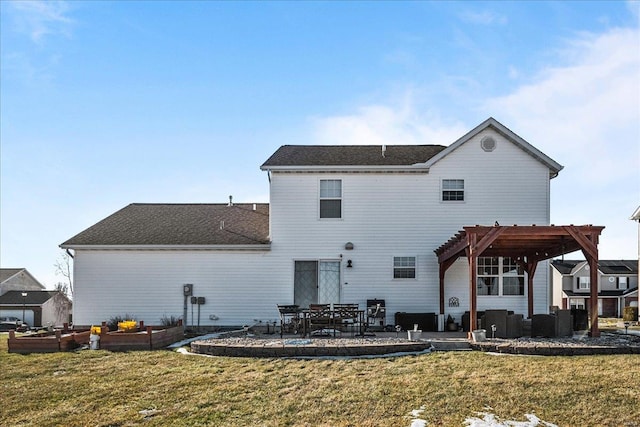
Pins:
x,y
349,263
348,246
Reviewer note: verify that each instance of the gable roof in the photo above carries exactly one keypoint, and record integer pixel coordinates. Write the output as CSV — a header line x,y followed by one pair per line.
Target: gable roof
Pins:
x,y
415,157
554,167
565,267
7,273
292,156
141,224
10,273
32,298
620,267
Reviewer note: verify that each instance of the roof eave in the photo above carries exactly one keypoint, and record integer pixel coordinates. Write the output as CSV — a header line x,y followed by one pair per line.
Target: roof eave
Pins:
x,y
345,168
252,247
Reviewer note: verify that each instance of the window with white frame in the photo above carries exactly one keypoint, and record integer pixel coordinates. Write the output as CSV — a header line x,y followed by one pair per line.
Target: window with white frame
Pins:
x,y
499,276
453,190
330,198
623,283
404,267
584,282
512,277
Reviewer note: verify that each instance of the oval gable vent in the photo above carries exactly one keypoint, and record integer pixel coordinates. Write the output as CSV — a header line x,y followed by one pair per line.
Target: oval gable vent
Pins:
x,y
488,143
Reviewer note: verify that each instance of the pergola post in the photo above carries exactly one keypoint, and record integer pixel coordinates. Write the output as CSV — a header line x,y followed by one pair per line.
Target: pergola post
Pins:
x,y
530,267
473,292
444,266
589,245
593,273
473,281
442,271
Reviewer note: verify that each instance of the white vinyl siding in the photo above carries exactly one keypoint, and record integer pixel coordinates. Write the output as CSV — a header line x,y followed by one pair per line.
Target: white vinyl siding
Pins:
x,y
388,215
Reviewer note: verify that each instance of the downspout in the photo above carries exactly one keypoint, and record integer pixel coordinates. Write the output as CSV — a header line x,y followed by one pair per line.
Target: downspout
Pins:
x,y
69,253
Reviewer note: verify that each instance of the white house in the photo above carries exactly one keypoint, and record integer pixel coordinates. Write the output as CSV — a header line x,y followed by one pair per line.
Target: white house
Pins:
x,y
344,224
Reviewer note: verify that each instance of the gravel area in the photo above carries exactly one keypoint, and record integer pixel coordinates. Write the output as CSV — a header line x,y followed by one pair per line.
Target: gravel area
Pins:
x,y
607,343
314,341
272,346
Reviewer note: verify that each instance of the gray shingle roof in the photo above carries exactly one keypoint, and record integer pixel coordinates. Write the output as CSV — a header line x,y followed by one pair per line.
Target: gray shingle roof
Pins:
x,y
6,273
32,298
180,224
606,266
565,267
351,155
618,266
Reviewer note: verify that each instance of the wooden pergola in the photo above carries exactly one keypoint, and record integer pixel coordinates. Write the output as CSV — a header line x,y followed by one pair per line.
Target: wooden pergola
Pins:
x,y
528,245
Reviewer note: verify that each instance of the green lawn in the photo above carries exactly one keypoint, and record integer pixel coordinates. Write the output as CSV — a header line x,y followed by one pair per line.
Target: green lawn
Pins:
x,y
99,388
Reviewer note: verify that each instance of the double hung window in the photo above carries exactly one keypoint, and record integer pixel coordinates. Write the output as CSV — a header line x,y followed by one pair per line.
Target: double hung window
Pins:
x,y
499,276
584,282
623,283
330,198
404,267
453,190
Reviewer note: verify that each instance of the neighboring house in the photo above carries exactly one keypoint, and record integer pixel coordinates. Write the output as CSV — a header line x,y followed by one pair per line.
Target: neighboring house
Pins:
x,y
617,285
18,279
636,217
36,307
344,224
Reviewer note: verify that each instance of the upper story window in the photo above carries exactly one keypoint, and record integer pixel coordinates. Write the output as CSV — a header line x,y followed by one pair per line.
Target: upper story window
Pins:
x,y
584,282
623,283
330,198
500,276
404,267
453,190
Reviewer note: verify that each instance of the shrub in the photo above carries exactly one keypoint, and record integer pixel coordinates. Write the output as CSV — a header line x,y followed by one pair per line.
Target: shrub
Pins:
x,y
630,314
170,321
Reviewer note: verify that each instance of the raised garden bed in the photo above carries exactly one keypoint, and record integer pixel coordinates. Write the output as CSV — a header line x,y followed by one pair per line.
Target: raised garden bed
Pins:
x,y
49,342
143,338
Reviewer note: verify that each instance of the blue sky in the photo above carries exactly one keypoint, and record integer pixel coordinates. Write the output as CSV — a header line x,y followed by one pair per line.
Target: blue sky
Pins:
x,y
109,103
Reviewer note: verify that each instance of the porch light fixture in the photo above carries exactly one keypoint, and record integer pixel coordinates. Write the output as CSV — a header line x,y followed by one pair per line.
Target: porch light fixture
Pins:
x,y
348,246
349,263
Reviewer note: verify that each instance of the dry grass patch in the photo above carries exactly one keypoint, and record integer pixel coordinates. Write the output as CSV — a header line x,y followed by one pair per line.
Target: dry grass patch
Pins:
x,y
100,388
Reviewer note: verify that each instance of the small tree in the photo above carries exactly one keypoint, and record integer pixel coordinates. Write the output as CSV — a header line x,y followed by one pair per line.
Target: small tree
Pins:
x,y
64,269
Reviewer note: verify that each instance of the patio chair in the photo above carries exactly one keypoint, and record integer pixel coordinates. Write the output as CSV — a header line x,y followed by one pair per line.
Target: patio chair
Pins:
x,y
346,317
319,318
290,320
